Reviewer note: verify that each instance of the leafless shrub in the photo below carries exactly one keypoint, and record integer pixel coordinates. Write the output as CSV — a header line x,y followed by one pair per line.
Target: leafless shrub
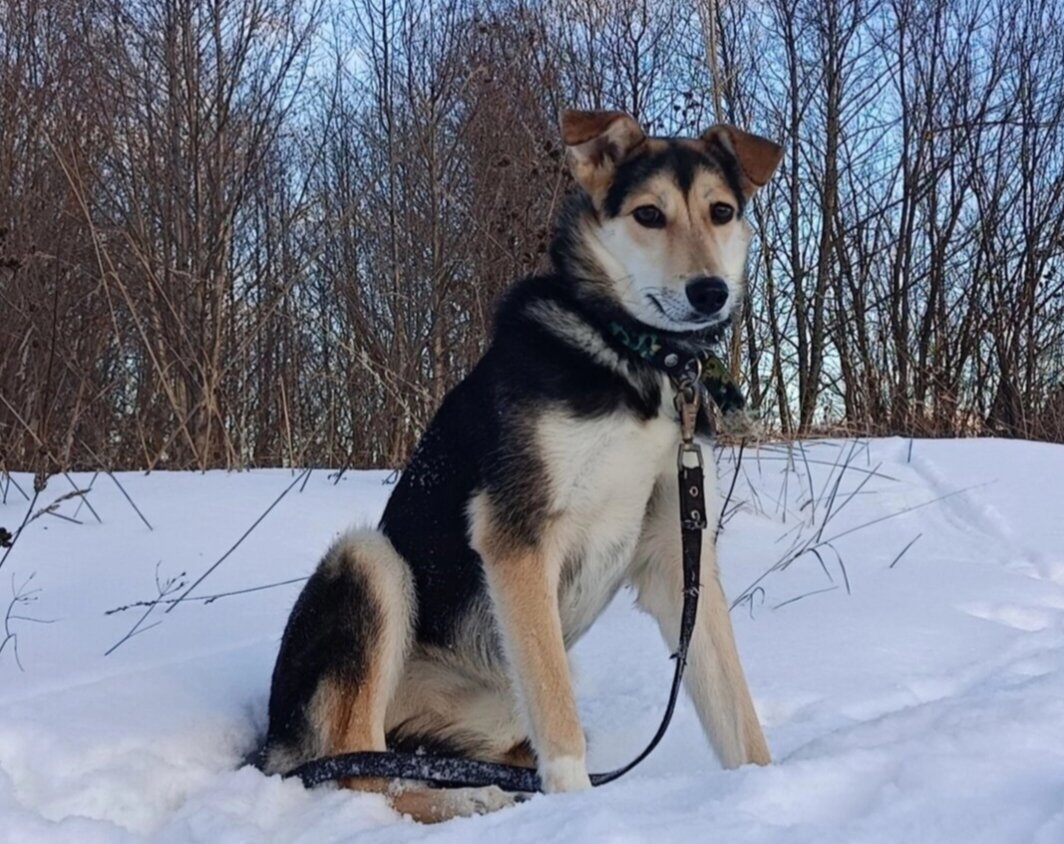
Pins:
x,y
271,232
22,598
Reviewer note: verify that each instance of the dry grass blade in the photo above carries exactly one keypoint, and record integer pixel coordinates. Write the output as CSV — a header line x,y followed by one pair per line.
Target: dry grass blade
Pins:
x,y
731,490
237,544
809,477
21,597
809,538
92,485
9,481
65,518
835,463
823,566
903,551
165,588
905,510
207,599
51,509
132,504
83,493
833,513
805,595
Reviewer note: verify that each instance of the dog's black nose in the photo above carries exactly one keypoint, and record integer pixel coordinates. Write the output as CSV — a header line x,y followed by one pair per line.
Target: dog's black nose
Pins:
x,y
707,295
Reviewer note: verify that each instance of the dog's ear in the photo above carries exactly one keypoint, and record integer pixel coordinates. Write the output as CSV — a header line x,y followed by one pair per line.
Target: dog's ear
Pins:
x,y
596,141
757,157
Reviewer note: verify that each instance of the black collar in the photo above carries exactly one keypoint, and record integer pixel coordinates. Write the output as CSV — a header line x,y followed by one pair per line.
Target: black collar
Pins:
x,y
675,358
660,351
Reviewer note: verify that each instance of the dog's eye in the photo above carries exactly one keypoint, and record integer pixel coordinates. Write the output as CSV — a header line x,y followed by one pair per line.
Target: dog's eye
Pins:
x,y
649,216
721,213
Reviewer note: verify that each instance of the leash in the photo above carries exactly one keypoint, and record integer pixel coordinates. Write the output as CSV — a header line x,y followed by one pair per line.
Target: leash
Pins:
x,y
454,771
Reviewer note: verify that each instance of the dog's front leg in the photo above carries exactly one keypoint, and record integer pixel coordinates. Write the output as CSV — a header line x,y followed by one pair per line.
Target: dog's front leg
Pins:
x,y
524,592
522,581
714,677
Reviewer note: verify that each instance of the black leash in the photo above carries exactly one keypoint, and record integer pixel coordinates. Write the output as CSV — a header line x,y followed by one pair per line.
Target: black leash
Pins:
x,y
454,771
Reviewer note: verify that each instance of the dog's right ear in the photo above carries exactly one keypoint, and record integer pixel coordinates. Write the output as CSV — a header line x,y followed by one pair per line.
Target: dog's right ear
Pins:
x,y
596,141
757,157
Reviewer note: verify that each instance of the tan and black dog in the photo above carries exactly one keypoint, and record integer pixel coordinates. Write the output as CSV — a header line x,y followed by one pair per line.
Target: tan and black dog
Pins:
x,y
546,481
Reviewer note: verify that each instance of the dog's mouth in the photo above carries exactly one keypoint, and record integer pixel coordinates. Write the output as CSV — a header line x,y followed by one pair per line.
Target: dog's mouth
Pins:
x,y
661,308
689,320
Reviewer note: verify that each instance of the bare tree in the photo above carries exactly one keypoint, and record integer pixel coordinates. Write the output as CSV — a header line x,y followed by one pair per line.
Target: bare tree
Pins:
x,y
260,232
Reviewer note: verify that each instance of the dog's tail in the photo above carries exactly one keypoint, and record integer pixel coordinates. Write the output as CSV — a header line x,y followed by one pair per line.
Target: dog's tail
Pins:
x,y
341,655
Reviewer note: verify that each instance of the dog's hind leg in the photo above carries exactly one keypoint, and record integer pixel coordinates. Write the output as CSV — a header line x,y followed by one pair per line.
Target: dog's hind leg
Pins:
x,y
342,654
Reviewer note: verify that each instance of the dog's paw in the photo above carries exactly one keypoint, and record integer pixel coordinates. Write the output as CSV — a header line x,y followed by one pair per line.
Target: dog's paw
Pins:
x,y
565,773
489,798
433,805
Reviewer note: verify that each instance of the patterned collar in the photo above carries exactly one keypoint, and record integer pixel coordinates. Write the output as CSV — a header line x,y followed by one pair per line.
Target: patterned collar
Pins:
x,y
666,357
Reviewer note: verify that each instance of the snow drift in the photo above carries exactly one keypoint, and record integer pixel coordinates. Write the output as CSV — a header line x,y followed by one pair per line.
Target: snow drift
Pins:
x,y
899,609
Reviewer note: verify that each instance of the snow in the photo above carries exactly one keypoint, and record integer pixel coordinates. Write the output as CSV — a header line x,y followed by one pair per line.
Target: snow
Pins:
x,y
925,702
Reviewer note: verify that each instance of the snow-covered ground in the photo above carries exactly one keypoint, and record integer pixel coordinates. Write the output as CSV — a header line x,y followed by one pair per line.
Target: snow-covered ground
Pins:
x,y
922,701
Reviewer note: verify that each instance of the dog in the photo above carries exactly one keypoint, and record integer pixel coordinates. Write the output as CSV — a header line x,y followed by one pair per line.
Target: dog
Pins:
x,y
545,482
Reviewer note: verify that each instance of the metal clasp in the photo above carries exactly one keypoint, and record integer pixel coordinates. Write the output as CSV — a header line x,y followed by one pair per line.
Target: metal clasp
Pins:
x,y
688,400
686,449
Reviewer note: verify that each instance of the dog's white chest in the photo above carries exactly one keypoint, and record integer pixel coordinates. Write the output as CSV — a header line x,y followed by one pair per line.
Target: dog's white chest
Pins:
x,y
602,473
